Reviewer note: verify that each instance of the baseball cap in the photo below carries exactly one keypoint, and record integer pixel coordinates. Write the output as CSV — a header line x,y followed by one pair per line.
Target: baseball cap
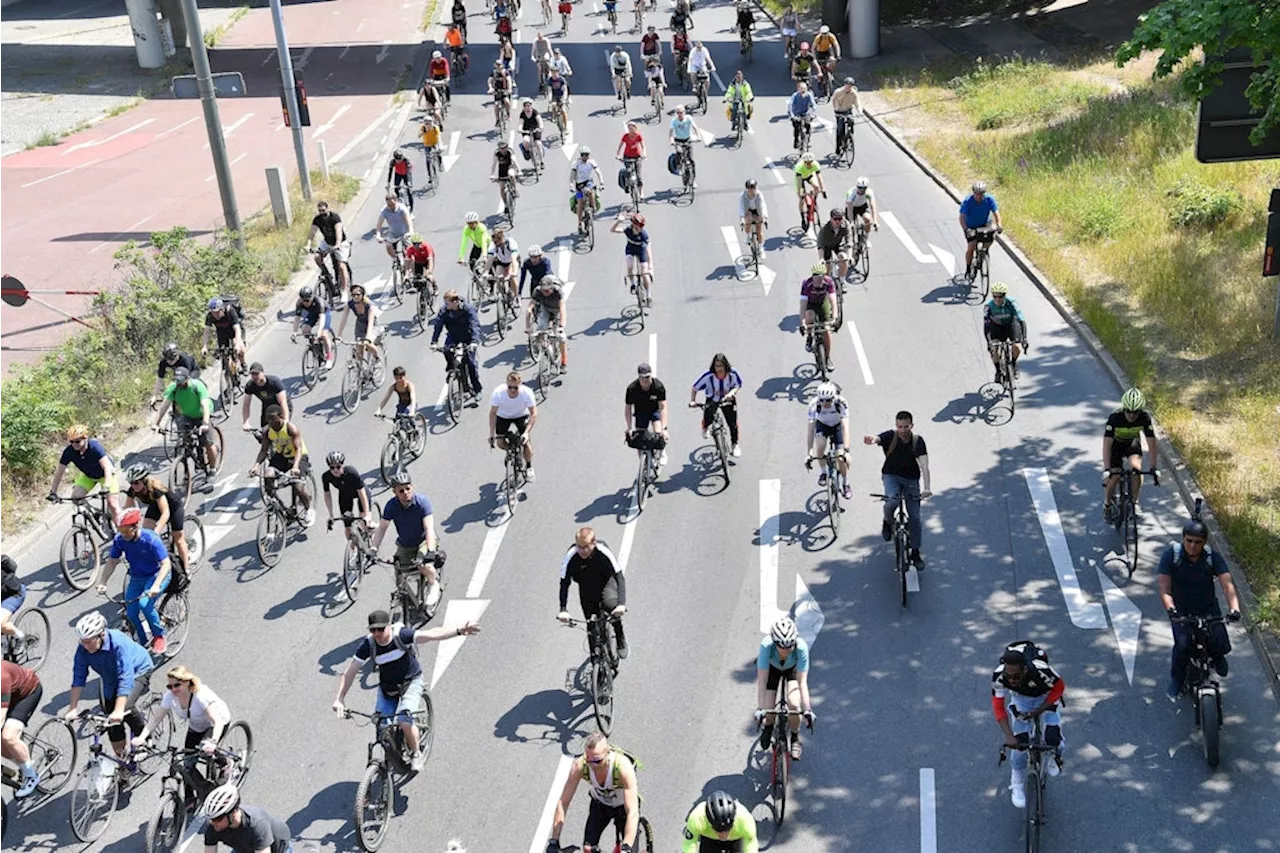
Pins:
x,y
379,619
256,367
644,369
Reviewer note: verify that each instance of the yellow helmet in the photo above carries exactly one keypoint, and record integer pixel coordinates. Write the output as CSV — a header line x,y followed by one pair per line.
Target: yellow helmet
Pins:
x,y
999,287
819,268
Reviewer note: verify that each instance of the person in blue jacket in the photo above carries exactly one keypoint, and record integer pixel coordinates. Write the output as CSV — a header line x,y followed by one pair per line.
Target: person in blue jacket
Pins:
x,y
149,575
124,668
462,326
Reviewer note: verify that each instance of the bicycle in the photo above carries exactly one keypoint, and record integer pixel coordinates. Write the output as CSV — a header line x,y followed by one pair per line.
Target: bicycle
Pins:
x,y
435,165
441,99
91,529
901,538
504,114
602,648
277,516
561,119
231,373
686,168
622,86
509,194
804,135
364,371
1200,684
630,164
753,243
455,380
508,306
376,792
980,268
174,609
1036,776
515,468
584,205
648,470
1123,516
409,604
229,763
33,649
397,265
544,348
701,84
96,791
825,73
831,465
737,122
330,289
480,286
53,749
810,221
644,839
845,148
639,28
315,361
657,98
861,261
407,441
719,431
746,44
815,341
191,460
612,15
536,154
780,749
635,283
358,557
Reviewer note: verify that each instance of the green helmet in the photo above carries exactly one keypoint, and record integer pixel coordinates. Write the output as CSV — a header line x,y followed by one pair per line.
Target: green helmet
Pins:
x,y
1133,400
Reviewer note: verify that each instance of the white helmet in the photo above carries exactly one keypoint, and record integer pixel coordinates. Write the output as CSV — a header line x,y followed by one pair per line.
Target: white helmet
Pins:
x,y
784,633
91,625
827,391
535,251
824,31
472,216
435,54
863,183
808,157
221,801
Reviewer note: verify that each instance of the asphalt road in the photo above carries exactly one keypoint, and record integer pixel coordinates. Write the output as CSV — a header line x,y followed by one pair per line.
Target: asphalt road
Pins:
x,y
904,755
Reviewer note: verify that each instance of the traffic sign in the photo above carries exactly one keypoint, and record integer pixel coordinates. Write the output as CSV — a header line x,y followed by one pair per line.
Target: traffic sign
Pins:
x,y
13,292
1225,117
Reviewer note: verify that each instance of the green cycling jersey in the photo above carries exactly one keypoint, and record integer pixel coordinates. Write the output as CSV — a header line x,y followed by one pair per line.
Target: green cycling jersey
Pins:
x,y
477,236
698,827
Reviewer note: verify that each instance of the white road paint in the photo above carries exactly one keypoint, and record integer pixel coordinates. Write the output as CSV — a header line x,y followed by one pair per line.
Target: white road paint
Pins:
x,y
343,55
731,242
127,230
772,166
178,127
715,75
928,812
901,233
449,159
300,63
457,612
807,614
328,125
362,135
628,533
488,553
444,396
228,130
770,505
945,258
860,351
60,174
214,533
1126,621
232,163
567,147
707,136
913,580
96,142
1084,613
384,53
564,257
543,832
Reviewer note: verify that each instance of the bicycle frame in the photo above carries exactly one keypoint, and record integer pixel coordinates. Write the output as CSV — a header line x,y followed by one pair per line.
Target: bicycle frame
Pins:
x,y
901,537
604,659
1036,775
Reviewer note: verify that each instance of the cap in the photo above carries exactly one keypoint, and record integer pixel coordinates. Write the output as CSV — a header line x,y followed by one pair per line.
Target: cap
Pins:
x,y
256,367
379,619
130,517
181,374
644,369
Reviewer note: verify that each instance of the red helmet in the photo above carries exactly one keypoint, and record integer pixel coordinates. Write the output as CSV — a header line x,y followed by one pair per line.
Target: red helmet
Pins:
x,y
637,220
130,517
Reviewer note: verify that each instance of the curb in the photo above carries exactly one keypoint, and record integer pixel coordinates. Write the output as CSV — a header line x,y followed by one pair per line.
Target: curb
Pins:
x,y
1266,643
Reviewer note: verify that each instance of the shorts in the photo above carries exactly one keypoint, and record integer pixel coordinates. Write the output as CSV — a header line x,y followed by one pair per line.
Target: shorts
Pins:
x,y
340,253
789,31
715,845
347,505
503,425
322,321
546,318
177,512
599,816
1001,332
362,328
829,253
14,603
640,253
1122,450
860,210
225,339
776,675
557,95
25,707
186,425
280,462
408,555
821,309
88,483
835,432
404,705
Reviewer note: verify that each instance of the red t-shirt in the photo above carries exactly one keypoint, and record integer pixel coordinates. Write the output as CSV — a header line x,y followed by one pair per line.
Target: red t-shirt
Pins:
x,y
649,44
419,253
631,143
19,683
440,68
680,43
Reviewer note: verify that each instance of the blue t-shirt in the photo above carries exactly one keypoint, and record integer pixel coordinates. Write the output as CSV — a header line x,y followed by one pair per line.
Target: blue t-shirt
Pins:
x,y
769,657
145,554
1192,583
682,127
408,520
801,105
118,663
88,461
396,666
976,213
637,241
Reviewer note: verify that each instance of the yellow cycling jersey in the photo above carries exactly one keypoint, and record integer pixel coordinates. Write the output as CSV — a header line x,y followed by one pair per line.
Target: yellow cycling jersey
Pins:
x,y
824,43
282,442
431,137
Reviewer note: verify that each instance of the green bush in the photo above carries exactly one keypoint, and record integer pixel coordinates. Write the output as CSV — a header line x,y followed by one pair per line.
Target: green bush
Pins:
x,y
1096,213
1195,204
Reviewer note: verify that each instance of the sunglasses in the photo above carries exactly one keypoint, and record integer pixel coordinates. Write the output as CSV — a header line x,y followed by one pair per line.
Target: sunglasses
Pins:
x,y
595,760
513,387
174,685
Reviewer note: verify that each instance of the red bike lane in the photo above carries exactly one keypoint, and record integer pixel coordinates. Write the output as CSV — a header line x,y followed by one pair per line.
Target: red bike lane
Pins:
x,y
68,207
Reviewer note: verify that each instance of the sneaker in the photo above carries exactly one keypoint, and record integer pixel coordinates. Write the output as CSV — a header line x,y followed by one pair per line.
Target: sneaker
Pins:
x,y
207,487
766,737
916,559
564,367
159,644
1054,768
662,460
30,779
997,379
1220,666
1137,510
433,595
623,649
706,432
309,520
1172,689
419,759
528,474
797,751
847,492
830,367
886,530
1107,512
1018,789
736,452
822,478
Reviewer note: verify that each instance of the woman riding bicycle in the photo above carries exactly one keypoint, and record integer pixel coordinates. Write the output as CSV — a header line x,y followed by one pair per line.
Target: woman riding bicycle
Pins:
x,y
163,509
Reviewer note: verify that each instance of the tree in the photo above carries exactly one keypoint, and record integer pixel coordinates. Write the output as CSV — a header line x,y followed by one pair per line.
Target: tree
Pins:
x,y
1178,27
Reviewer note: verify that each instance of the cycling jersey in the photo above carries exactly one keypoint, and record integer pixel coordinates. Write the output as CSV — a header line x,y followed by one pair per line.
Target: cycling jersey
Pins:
x,y
804,63
583,172
420,253
474,236
804,171
817,288
768,656
856,198
504,160
830,415
1002,315
651,43
1040,680
282,443
535,270
431,137
504,252
548,298
621,64
755,204
348,485
716,387
401,166
1126,431
824,43
557,86
530,122
977,213
439,68
637,242
500,83
453,37
698,827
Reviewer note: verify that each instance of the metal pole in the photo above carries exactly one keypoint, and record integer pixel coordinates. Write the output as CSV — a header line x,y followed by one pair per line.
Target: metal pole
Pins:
x,y
291,98
212,123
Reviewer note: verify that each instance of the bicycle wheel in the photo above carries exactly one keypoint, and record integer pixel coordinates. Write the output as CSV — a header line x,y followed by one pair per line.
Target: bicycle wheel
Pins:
x,y
54,750
271,535
642,481
425,719
351,387
170,440
454,397
164,832
193,530
237,738
392,461
175,615
373,805
721,435
227,394
781,770
424,308
310,368
833,500
863,261
1210,722
644,836
1034,810
31,651
180,477
511,485
93,801
902,554
544,374
984,272
602,695
79,557
640,298
820,356
591,232
419,442
352,570
1131,539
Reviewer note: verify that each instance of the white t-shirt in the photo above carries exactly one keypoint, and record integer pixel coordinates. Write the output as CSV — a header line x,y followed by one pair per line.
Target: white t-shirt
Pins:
x,y
205,708
510,408
583,172
829,416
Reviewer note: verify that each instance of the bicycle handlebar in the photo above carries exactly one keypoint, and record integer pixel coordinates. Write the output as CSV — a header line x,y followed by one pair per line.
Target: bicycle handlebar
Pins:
x,y
1153,473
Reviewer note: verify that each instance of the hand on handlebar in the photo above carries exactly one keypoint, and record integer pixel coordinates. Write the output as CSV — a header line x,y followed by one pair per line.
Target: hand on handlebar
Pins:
x,y
808,463
1234,616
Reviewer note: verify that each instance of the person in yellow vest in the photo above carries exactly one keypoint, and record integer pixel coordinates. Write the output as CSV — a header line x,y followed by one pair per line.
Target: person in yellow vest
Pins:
x,y
284,451
430,137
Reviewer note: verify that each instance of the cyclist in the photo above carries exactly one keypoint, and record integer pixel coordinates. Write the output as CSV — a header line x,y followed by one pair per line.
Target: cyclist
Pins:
x,y
638,251
19,698
456,38
431,99
149,575
266,388
393,650
547,303
165,510
611,13
394,222
440,74
171,358
513,408
753,212
683,13
808,174
503,171
400,172
645,412
631,150
801,108
1025,681
720,384
347,482
566,12
15,594
789,24
818,304
224,319
558,89
906,467
502,29
845,103
500,87
541,54
739,97
585,177
1122,437
1003,321
620,66
613,795
244,829
829,419
602,588
415,535
458,16
188,698
124,674
462,326
366,314
720,823
655,77
701,65
192,406
834,242
860,204
745,20
503,261
535,267
507,56
803,64
423,258
284,450
406,394
530,131
311,316
1185,577
976,211
683,133
93,464
826,48
680,52
560,63
430,134
651,44
474,235
783,660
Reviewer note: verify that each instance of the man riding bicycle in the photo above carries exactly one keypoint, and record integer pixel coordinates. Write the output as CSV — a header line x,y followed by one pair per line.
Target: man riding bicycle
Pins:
x,y
90,458
284,451
439,73
975,212
602,588
739,97
394,222
835,239
312,316
400,172
547,304
803,65
1122,437
845,103
149,576
503,171
1025,682
620,66
500,86
585,177
333,241
462,326
801,109
423,258
224,319
541,53
352,492
1002,320
826,48
860,204
818,304
192,406
753,212
718,824
613,792
415,536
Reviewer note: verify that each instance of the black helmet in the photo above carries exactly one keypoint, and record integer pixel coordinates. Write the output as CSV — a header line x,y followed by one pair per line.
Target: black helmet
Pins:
x,y
751,182
170,351
721,810
306,292
1195,527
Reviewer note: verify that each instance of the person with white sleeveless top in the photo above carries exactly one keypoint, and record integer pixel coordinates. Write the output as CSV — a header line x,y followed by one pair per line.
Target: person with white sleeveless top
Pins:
x,y
613,791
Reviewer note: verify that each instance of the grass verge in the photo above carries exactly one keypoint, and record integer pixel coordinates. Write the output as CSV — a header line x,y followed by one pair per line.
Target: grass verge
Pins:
x,y
1161,255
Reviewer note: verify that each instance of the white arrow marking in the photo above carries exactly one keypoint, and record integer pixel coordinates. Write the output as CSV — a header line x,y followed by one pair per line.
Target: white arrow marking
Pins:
x,y
343,55
444,395
707,136
303,60
945,258
540,834
1084,613
488,553
823,124
113,136
567,144
773,168
459,611
901,233
862,356
228,130
384,53
928,812
564,257
1126,621
767,276
807,614
331,122
449,159
770,501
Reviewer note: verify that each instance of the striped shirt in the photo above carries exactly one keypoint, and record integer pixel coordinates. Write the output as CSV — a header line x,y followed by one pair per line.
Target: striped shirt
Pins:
x,y
716,388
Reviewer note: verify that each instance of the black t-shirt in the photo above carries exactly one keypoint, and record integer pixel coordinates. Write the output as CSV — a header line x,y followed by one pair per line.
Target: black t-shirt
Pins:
x,y
645,404
1126,432
899,458
348,485
265,392
328,225
258,830
1192,583
12,586
184,360
225,324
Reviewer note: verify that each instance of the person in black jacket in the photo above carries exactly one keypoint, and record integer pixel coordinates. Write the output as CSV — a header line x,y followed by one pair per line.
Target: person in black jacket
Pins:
x,y
462,326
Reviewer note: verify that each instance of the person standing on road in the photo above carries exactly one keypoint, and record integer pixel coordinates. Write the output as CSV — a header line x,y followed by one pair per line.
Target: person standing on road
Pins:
x,y
393,650
461,324
1025,682
415,534
645,411
512,404
721,384
124,671
192,407
602,588
149,575
94,464
187,698
244,829
614,796
906,467
333,241
266,388
171,358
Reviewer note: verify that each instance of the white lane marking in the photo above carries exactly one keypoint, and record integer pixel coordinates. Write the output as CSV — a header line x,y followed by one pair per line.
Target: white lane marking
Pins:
x,y
860,351
564,257
567,144
770,502
707,136
344,52
913,580
227,131
731,243
449,159
628,533
125,231
823,124
653,352
807,613
178,127
928,812
96,142
454,138
772,166
302,61
488,553
384,53
1084,613
1126,621
543,831
360,137
444,395
360,26
715,75
457,612
901,233
945,258
328,125
213,533
60,174
232,163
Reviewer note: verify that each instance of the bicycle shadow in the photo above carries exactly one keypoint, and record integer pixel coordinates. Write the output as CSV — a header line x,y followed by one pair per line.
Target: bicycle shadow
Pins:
x,y
973,406
706,472
486,508
329,596
330,408
549,716
336,799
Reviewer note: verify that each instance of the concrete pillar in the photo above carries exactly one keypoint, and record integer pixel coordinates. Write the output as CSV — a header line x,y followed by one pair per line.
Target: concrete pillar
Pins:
x,y
146,33
324,158
278,190
864,28
171,11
